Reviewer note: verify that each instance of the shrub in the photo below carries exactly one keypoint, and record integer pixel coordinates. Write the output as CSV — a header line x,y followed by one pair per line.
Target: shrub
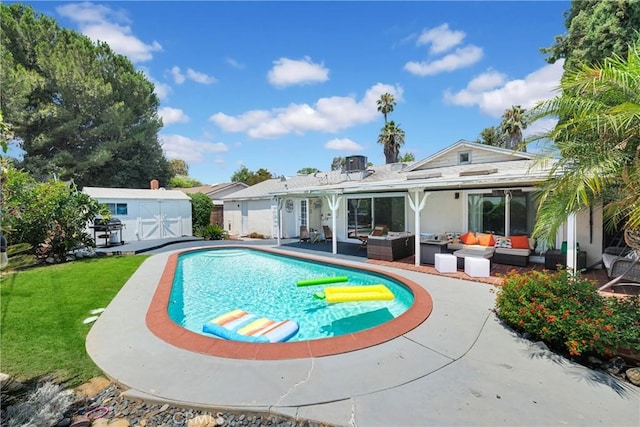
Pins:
x,y
201,207
214,232
567,312
50,216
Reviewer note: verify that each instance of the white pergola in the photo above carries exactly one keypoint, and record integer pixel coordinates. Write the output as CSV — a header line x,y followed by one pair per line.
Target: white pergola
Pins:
x,y
417,195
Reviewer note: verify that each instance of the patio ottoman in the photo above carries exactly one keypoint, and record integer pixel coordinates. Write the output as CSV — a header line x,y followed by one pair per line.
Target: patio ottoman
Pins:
x,y
477,267
445,263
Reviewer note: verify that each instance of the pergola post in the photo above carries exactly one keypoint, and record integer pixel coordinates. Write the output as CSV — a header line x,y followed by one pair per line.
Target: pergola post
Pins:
x,y
334,204
417,204
278,221
572,254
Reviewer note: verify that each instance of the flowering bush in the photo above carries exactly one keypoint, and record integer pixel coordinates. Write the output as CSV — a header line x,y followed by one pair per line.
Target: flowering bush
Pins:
x,y
566,311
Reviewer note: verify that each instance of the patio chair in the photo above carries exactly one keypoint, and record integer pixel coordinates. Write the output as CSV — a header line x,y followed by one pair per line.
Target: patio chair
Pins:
x,y
328,234
378,230
304,234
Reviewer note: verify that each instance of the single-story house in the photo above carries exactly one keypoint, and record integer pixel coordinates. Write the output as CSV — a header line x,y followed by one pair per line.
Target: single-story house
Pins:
x,y
146,214
465,187
216,192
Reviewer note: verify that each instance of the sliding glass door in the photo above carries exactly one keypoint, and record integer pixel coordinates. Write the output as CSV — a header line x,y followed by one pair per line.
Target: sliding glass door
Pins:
x,y
510,213
364,213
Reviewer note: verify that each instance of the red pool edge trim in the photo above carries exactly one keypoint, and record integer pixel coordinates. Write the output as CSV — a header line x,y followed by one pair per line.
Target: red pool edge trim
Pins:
x,y
163,327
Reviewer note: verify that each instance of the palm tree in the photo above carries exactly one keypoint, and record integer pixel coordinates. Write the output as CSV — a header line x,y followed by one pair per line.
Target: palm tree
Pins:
x,y
491,136
386,104
392,137
513,123
598,140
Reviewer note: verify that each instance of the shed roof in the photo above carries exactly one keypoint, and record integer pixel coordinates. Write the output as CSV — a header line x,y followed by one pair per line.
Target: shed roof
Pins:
x,y
102,193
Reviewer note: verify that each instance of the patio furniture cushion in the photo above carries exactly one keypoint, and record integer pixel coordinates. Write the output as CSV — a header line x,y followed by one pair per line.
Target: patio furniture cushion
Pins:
x,y
485,239
512,251
503,242
469,238
519,242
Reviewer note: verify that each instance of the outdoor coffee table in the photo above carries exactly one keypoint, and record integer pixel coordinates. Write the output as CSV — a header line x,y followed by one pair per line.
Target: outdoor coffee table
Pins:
x,y
473,253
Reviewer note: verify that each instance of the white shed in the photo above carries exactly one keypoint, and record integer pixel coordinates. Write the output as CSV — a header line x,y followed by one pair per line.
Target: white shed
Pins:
x,y
147,214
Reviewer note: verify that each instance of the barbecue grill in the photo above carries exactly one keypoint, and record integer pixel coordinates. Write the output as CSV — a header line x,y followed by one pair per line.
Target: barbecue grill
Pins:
x,y
110,230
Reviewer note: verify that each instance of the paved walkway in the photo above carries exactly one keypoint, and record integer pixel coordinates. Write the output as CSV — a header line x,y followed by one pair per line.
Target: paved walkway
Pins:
x,y
460,367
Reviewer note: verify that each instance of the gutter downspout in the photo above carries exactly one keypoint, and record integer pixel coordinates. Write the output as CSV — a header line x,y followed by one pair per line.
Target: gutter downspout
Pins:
x,y
417,205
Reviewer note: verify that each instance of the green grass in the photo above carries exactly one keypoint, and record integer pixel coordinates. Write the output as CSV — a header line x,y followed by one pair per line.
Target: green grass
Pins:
x,y
42,309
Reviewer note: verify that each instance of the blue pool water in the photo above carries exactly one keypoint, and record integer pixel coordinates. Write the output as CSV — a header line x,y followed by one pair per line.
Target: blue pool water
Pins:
x,y
210,283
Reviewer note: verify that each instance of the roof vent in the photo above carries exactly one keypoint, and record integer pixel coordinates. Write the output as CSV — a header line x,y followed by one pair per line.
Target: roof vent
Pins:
x,y
478,172
355,163
424,175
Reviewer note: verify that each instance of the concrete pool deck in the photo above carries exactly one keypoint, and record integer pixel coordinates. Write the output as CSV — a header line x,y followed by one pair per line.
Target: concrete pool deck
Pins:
x,y
459,367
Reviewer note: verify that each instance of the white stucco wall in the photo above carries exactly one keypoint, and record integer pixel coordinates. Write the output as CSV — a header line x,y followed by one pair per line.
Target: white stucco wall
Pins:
x,y
260,217
443,212
589,237
232,218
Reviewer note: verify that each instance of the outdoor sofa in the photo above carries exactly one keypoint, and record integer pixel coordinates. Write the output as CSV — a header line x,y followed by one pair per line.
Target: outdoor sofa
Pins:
x,y
513,250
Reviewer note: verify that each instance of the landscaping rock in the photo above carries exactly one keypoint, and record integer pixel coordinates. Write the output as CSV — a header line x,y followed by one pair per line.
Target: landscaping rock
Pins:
x,y
8,384
93,387
615,365
633,374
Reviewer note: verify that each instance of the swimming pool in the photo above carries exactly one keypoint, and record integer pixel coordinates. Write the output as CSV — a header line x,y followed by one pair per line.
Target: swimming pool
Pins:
x,y
167,329
208,284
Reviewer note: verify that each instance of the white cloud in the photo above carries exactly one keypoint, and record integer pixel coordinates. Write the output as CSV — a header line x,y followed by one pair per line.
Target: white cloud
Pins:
x,y
234,63
540,127
493,96
287,72
462,57
440,38
199,77
102,23
162,90
177,75
172,115
189,150
332,114
343,144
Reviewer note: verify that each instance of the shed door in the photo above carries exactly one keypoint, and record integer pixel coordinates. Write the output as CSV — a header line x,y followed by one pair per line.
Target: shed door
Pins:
x,y
150,215
171,221
160,220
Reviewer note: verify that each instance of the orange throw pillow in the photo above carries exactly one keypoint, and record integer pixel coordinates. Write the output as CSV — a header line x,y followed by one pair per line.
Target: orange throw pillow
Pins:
x,y
469,238
486,240
519,242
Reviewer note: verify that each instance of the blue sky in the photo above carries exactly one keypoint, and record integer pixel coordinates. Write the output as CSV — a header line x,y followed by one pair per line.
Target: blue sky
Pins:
x,y
288,85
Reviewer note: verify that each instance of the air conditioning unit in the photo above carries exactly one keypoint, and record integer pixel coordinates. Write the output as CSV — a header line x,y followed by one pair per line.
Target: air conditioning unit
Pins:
x,y
356,163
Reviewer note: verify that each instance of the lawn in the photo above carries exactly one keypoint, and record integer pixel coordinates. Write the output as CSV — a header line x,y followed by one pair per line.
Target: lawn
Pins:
x,y
42,312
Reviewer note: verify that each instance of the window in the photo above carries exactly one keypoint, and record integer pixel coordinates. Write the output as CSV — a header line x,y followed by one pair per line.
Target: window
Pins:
x,y
365,213
487,213
464,157
117,208
303,212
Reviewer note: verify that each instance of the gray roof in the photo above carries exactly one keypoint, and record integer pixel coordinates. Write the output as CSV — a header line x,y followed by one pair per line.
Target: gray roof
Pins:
x,y
101,193
524,170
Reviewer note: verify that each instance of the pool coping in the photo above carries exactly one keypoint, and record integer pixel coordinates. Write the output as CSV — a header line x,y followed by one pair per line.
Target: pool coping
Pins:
x,y
162,326
461,367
